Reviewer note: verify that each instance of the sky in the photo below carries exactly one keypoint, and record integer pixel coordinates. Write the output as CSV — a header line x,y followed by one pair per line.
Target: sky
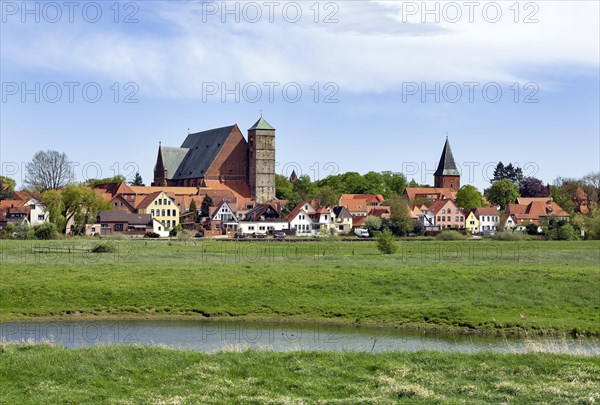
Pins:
x,y
349,85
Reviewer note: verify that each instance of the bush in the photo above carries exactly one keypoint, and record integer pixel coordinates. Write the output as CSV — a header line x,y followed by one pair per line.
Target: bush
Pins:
x,y
104,248
567,232
532,229
386,243
151,235
450,235
45,231
509,236
21,231
184,235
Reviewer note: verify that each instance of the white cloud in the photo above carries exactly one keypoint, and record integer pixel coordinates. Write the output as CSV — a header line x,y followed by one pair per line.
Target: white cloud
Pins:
x,y
172,51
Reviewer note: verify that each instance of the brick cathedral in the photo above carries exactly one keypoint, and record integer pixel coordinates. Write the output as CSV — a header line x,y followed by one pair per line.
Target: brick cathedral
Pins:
x,y
222,155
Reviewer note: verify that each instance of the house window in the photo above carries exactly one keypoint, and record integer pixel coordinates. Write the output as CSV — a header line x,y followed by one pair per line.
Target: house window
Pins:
x,y
443,211
439,218
41,217
456,219
261,228
250,228
159,202
163,213
168,223
118,227
152,212
168,213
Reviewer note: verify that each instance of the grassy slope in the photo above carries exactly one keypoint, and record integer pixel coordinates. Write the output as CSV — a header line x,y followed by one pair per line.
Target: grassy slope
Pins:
x,y
480,285
44,374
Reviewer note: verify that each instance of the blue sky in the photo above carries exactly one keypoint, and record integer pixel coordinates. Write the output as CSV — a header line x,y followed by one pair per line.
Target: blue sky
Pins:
x,y
382,63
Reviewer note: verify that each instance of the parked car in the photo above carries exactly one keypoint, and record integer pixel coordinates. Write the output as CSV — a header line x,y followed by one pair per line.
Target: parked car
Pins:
x,y
259,236
199,234
279,235
362,233
240,235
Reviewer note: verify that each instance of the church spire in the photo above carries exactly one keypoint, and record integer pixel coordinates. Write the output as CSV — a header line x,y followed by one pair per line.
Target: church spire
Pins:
x,y
447,174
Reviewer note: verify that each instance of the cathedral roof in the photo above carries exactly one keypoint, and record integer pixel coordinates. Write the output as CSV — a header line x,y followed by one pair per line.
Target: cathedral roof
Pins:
x,y
203,148
172,158
447,166
261,124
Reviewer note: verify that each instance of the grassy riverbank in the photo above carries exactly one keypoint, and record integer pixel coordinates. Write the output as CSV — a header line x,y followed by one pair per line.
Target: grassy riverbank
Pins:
x,y
481,286
127,375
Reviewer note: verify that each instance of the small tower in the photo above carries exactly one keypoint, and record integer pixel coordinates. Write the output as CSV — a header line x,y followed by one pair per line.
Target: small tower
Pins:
x,y
160,172
261,161
293,177
447,174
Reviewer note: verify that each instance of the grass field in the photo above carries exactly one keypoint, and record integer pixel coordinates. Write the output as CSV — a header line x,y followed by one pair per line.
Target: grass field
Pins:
x,y
141,375
477,285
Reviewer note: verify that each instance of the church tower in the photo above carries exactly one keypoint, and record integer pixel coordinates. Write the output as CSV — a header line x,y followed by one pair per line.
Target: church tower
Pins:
x,y
261,161
447,174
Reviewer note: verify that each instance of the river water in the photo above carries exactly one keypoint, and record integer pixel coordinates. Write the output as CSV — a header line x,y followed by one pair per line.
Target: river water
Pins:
x,y
216,336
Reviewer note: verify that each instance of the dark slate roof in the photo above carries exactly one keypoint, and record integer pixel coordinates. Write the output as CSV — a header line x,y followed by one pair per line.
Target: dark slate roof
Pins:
x,y
124,216
203,148
172,158
262,124
342,212
447,166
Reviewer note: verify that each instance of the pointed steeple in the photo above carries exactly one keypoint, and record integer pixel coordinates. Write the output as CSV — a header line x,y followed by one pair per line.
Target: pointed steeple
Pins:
x,y
447,166
293,177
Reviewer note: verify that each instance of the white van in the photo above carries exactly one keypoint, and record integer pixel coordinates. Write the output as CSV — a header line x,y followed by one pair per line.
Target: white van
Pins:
x,y
361,233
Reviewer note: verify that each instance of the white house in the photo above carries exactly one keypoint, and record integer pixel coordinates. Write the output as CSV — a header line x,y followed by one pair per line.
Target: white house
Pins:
x,y
300,220
37,212
489,219
262,227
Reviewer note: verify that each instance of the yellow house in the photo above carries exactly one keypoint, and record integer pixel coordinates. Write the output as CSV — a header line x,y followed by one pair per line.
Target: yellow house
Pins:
x,y
472,223
161,207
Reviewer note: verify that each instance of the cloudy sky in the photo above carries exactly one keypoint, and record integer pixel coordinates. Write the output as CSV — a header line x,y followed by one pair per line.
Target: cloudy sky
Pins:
x,y
350,86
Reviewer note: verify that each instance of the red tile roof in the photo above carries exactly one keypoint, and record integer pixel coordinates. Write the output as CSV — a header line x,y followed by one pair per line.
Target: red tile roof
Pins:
x,y
435,193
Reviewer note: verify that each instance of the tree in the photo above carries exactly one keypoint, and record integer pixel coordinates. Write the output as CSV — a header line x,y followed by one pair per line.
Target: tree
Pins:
x,y
7,188
82,204
533,187
194,210
45,231
304,187
502,193
373,223
137,180
207,202
469,198
107,180
386,243
591,185
395,183
501,172
49,170
401,220
55,205
327,196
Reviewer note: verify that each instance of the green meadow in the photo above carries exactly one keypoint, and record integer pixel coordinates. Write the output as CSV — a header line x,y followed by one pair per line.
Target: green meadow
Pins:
x,y
41,374
474,286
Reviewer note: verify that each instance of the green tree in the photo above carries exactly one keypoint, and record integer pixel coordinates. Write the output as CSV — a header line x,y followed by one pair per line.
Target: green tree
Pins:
x,y
304,187
7,188
207,202
502,193
82,204
194,210
395,183
373,183
373,223
386,243
327,196
137,180
401,220
561,196
514,174
55,205
107,180
469,198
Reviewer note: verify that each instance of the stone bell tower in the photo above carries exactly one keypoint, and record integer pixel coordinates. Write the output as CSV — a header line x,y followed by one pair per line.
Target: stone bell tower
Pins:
x,y
261,161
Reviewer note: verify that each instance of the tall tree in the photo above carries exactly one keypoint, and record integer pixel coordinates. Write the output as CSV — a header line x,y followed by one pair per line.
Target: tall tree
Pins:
x,y
395,183
207,202
514,174
402,222
7,188
82,204
304,187
502,193
137,180
49,170
469,198
591,185
194,210
533,187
